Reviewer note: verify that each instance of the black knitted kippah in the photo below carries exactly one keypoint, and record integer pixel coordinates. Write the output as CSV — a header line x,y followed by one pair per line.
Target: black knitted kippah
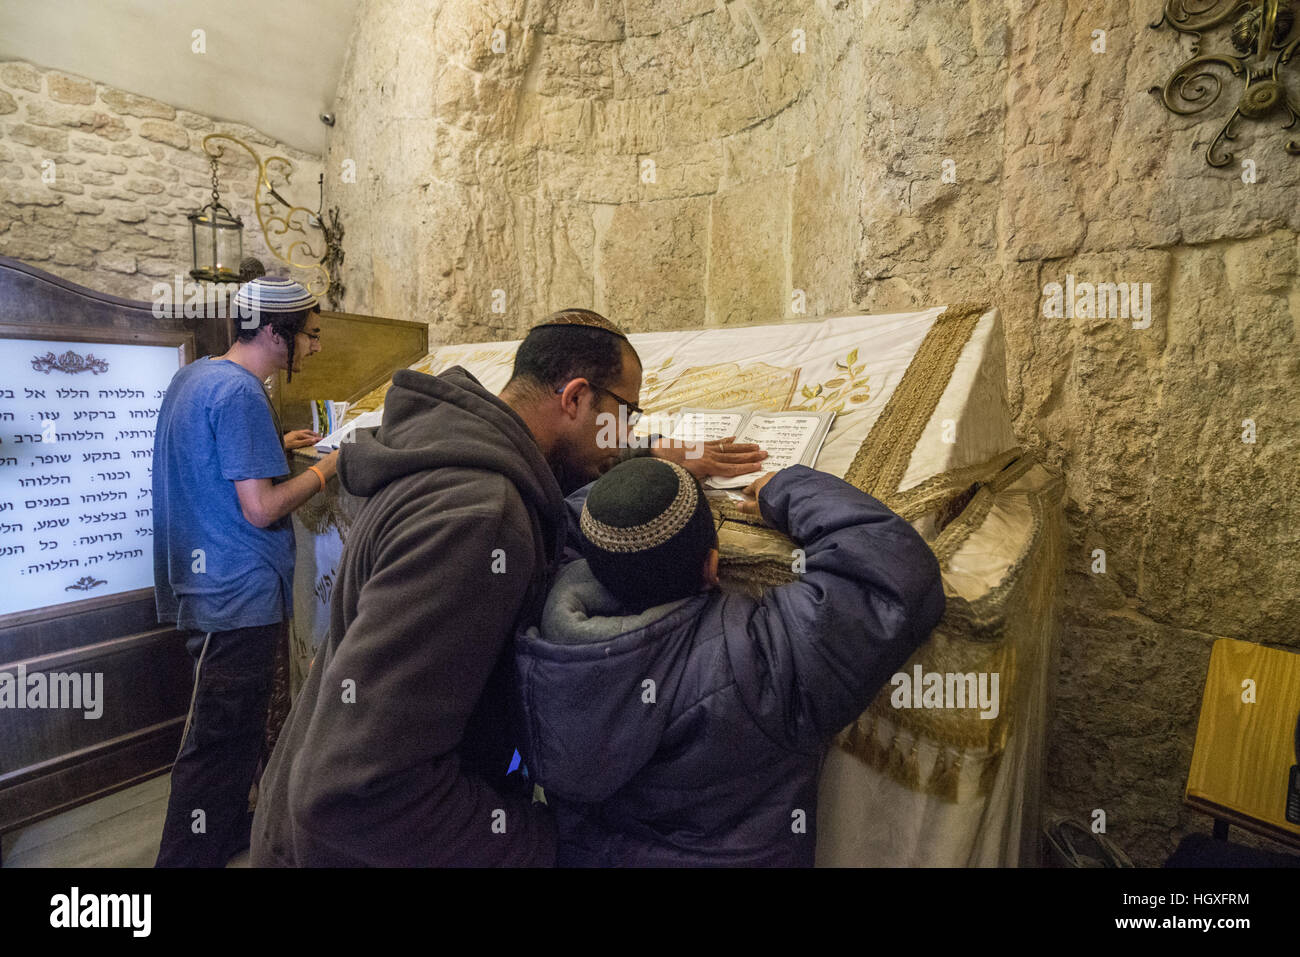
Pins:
x,y
646,528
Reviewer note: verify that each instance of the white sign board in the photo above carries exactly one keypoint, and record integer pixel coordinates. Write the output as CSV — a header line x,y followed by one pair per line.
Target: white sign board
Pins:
x,y
76,468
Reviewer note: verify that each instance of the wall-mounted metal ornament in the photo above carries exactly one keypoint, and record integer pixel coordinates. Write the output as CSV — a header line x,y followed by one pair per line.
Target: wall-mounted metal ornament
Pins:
x,y
85,583
1265,35
70,362
290,225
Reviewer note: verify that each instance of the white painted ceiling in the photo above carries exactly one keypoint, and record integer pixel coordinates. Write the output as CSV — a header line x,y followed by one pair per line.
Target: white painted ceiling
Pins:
x,y
272,64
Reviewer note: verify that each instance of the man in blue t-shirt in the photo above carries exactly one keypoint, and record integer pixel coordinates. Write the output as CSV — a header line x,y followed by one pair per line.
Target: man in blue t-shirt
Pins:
x,y
223,557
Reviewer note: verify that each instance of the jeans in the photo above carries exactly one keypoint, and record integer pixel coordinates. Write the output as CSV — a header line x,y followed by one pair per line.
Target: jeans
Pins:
x,y
207,814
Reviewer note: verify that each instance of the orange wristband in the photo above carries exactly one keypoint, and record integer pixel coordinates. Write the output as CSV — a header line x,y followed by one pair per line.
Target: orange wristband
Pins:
x,y
320,475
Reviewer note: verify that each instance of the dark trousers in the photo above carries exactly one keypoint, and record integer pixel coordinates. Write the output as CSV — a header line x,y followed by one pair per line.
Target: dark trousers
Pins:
x,y
218,758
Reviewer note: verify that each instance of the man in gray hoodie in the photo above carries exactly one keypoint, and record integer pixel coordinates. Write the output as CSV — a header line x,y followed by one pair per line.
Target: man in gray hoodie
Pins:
x,y
396,751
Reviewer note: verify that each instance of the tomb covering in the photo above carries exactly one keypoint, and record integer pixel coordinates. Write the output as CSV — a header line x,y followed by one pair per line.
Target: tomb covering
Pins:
x,y
944,766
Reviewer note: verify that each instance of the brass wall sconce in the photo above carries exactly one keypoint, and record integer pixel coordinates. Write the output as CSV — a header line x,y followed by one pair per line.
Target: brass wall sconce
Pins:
x,y
1264,33
285,231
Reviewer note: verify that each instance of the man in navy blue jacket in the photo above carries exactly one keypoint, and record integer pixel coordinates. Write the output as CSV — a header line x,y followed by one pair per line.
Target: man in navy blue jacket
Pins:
x,y
671,723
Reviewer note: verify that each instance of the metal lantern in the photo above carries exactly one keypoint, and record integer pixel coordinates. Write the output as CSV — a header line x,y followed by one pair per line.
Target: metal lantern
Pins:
x,y
217,239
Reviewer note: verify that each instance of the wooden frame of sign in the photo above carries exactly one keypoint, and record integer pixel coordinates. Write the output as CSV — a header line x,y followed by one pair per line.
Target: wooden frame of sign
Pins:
x,y
53,759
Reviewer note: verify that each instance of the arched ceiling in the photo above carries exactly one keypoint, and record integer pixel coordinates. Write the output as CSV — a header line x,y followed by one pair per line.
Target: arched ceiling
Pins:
x,y
272,65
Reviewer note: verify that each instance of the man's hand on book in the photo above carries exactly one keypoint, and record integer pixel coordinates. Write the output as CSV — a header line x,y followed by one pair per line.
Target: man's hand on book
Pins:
x,y
724,458
753,488
300,438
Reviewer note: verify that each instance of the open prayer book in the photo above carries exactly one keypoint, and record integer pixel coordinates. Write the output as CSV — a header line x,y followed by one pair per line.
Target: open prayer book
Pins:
x,y
327,416
366,420
789,438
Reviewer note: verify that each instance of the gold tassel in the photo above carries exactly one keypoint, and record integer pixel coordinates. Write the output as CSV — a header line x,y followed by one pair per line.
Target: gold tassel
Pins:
x,y
912,769
868,747
990,772
894,761
859,740
946,778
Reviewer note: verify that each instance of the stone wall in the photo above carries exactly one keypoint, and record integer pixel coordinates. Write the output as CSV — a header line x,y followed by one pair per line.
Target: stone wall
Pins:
x,y
522,165
95,182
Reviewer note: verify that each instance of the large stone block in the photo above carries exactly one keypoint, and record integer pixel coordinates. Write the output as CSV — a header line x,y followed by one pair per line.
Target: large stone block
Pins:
x,y
131,214
649,17
119,101
117,262
718,107
651,264
693,170
704,50
95,177
38,137
611,180
469,34
1107,379
574,67
25,249
146,186
747,273
70,89
1219,550
1123,726
568,256
591,20
631,126
824,231
20,76
168,133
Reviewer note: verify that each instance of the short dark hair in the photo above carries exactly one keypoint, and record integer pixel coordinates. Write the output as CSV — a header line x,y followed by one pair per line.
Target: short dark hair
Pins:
x,y
286,325
550,356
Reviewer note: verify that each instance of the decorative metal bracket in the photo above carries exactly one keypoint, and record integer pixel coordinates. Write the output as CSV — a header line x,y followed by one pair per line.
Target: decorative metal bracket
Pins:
x,y
289,225
1264,34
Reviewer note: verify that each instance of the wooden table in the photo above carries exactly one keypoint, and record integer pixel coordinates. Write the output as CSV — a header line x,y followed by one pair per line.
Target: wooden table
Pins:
x,y
1245,749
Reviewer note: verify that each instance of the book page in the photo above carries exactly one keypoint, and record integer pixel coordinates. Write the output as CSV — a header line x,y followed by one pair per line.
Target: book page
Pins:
x,y
706,425
367,420
787,438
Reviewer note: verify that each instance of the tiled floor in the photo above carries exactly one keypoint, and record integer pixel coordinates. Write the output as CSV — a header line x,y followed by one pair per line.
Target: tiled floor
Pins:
x,y
121,830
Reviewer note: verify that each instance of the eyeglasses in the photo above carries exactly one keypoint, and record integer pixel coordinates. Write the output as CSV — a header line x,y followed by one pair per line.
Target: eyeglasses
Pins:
x,y
314,337
634,411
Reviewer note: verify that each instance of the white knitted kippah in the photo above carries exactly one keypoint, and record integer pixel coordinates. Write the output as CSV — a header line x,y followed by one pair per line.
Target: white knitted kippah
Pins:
x,y
268,294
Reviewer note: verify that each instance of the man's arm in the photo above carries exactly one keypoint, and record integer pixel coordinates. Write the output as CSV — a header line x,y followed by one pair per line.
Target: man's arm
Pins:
x,y
813,653
250,453
264,502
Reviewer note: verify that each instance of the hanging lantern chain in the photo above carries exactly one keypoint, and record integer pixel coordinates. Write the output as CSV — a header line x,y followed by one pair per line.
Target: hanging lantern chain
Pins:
x,y
216,199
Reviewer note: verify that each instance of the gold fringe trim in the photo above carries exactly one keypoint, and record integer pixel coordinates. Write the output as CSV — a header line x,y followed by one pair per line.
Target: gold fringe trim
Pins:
x,y
959,529
323,511
899,760
883,456
946,777
925,497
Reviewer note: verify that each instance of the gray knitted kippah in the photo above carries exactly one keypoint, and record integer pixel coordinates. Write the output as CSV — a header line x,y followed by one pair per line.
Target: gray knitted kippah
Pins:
x,y
646,528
